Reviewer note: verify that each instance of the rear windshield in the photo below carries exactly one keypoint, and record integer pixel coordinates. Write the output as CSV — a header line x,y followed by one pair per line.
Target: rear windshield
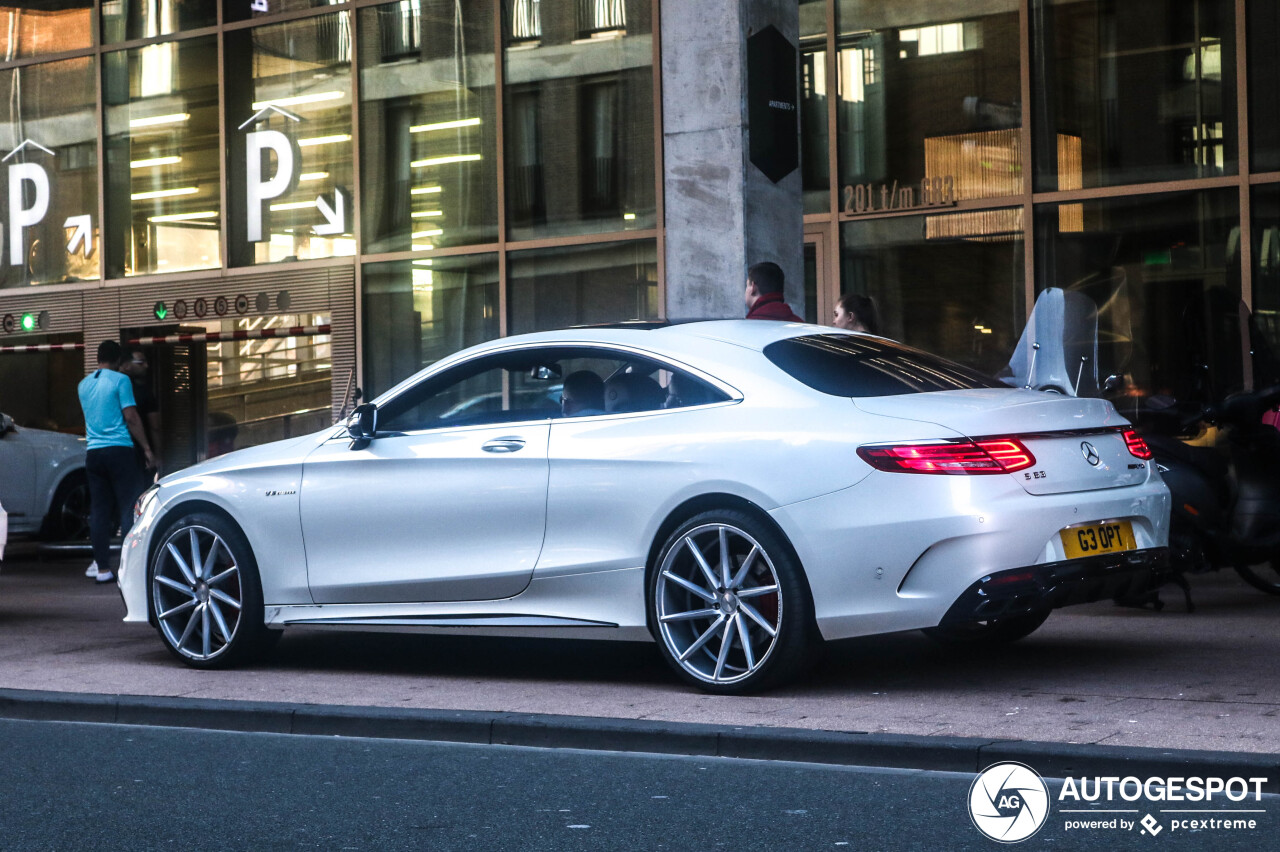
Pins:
x,y
849,365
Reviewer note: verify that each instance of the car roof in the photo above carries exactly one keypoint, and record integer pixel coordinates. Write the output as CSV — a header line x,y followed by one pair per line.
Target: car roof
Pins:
x,y
752,334
677,340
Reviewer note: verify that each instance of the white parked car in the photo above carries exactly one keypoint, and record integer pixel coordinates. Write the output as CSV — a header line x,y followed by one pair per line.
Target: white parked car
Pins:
x,y
782,484
42,482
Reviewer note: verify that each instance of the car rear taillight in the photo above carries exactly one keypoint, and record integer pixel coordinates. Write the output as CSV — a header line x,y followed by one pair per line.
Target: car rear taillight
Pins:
x,y
989,455
1137,447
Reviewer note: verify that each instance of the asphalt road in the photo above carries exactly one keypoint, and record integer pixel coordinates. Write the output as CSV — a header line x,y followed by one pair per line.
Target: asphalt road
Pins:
x,y
1092,674
106,787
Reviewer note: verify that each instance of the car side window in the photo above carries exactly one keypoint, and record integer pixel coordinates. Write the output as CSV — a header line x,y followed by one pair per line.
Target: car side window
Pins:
x,y
490,390
550,382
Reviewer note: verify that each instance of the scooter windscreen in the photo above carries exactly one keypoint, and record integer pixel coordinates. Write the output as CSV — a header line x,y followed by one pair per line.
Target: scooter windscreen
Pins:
x,y
1058,349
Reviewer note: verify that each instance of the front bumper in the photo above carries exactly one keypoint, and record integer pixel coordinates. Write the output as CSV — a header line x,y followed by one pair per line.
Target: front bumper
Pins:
x,y
1019,591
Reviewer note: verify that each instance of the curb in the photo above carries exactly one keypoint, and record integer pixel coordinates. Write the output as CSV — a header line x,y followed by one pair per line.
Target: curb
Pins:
x,y
840,748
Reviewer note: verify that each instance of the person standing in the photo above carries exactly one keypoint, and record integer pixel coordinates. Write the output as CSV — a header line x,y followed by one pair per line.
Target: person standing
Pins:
x,y
112,425
137,369
764,294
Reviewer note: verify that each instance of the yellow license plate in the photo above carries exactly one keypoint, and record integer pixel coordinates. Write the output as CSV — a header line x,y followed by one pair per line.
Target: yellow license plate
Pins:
x,y
1095,539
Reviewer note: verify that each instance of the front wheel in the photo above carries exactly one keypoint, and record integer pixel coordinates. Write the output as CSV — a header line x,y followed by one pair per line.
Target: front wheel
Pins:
x,y
206,594
729,605
988,633
1265,577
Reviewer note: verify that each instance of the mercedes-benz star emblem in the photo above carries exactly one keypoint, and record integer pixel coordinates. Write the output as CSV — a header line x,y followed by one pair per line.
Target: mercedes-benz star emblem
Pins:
x,y
1090,453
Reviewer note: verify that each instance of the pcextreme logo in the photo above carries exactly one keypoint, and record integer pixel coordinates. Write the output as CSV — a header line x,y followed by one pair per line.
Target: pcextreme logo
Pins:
x,y
1009,802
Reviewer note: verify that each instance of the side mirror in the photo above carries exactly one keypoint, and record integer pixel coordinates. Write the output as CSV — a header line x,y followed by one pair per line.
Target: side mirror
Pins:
x,y
362,425
1112,383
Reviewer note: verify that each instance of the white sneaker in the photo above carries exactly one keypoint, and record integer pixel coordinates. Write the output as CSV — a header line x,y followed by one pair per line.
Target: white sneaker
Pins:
x,y
104,577
92,570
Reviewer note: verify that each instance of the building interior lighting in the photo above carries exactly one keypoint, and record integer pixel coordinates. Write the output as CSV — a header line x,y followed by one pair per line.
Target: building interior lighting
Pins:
x,y
421,235
445,125
628,216
164,193
315,97
424,190
293,205
306,176
324,140
426,214
184,217
152,162
154,120
440,161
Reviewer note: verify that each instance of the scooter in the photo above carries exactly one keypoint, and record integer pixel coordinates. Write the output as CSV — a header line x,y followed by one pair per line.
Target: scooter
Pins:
x,y
1226,505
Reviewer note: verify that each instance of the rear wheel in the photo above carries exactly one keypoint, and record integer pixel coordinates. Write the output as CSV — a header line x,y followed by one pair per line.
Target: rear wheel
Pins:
x,y
1265,577
729,605
68,518
206,594
988,633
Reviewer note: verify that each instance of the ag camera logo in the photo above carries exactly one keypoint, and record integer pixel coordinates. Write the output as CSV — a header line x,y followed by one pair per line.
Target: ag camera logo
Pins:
x,y
1008,802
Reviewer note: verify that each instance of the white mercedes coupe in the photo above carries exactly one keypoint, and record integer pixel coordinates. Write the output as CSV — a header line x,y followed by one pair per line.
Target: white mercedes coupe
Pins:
x,y
736,490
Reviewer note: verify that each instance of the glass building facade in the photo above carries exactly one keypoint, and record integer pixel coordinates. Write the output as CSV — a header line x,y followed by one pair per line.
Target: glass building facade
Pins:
x,y
281,200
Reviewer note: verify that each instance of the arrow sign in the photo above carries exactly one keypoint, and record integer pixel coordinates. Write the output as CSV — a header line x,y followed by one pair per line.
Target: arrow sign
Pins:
x,y
269,108
335,217
25,143
82,234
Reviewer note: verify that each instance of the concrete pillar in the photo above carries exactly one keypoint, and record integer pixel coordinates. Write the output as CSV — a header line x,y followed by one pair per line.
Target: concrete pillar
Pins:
x,y
722,213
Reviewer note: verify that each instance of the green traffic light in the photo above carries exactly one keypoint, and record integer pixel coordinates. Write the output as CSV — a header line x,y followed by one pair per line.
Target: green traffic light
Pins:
x,y
30,322
161,311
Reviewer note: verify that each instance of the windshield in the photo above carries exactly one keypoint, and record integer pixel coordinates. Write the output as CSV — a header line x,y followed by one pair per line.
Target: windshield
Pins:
x,y
1178,347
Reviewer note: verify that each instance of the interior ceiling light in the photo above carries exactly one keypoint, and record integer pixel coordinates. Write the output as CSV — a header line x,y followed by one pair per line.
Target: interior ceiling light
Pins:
x,y
434,232
164,193
426,214
440,161
424,190
184,217
293,205
312,176
313,98
154,120
324,140
154,161
445,125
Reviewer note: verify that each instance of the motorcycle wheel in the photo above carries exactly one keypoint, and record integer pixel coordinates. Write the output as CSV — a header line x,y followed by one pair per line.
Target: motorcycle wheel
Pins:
x,y
1264,577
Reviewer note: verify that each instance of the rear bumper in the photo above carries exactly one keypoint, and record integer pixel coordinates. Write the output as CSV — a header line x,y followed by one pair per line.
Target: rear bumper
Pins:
x,y
1018,591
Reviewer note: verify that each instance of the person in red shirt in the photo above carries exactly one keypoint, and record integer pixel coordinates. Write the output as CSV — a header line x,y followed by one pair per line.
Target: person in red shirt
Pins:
x,y
764,294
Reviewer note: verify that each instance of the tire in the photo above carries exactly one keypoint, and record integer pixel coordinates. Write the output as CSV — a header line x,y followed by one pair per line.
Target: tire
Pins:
x,y
989,633
68,518
768,633
1265,578
206,594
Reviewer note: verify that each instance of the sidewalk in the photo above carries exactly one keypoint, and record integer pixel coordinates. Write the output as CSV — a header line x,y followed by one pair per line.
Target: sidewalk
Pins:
x,y
1095,674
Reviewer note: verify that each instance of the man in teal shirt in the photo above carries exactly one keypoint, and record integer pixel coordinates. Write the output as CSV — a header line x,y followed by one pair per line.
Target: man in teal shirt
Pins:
x,y
112,425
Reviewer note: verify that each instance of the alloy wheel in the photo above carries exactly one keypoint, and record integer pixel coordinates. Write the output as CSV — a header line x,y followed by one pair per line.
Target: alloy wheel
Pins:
x,y
197,592
718,603
73,514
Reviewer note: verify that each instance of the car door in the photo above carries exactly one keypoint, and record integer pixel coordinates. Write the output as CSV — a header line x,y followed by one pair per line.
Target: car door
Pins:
x,y
446,503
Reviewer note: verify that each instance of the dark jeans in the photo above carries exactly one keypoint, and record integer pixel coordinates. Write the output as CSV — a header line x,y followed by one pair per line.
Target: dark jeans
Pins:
x,y
114,486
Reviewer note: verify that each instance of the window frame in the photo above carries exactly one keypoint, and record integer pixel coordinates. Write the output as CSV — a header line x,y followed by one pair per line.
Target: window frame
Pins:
x,y
620,352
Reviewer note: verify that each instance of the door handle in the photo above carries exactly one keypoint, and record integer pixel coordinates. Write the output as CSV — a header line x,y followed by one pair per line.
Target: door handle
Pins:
x,y
503,445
